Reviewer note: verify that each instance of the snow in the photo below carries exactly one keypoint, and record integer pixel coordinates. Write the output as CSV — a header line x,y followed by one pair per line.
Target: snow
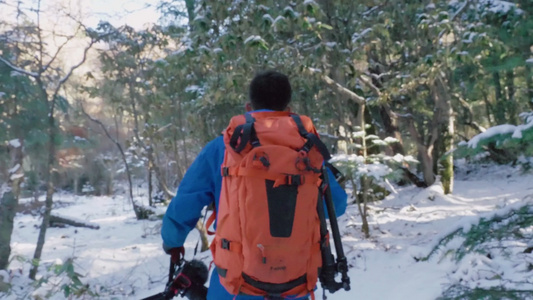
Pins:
x,y
356,36
268,17
253,38
516,132
501,7
310,2
278,19
192,88
15,143
14,169
124,259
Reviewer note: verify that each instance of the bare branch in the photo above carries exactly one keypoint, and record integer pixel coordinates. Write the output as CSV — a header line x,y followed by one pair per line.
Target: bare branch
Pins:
x,y
68,39
342,90
369,83
73,68
461,10
17,69
119,146
470,122
378,76
40,36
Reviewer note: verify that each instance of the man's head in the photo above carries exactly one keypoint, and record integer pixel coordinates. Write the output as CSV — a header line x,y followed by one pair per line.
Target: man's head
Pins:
x,y
270,90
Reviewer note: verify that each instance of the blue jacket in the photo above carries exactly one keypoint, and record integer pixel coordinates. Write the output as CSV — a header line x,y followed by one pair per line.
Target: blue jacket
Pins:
x,y
200,187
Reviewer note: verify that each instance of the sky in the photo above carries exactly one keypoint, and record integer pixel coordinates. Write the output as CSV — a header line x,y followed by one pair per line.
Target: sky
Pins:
x,y
134,13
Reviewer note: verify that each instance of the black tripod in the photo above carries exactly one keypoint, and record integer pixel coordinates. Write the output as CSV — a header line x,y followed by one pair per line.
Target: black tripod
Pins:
x,y
330,266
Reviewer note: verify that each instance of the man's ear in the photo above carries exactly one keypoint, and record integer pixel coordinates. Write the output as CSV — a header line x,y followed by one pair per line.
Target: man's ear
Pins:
x,y
248,107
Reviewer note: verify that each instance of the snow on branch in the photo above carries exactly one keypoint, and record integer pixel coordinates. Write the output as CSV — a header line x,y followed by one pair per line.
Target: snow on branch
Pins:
x,y
515,131
342,90
15,143
17,69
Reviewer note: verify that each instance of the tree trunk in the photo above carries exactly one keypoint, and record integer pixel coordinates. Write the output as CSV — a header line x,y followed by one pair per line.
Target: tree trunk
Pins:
x,y
499,112
365,228
446,122
529,86
427,165
183,137
190,12
425,154
8,204
365,186
136,209
390,123
150,192
49,195
488,108
511,104
447,162
9,195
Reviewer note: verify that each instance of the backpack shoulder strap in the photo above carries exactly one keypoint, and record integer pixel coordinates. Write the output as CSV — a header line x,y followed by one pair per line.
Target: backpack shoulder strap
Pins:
x,y
312,139
244,134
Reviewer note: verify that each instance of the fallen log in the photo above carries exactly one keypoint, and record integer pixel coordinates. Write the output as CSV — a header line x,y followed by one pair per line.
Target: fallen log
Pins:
x,y
57,221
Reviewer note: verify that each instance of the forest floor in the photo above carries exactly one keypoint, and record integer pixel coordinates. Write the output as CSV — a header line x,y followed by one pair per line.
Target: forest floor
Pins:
x,y
124,260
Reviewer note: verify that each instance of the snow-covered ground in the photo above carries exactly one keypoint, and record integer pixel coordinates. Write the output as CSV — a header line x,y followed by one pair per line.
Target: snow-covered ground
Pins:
x,y
124,260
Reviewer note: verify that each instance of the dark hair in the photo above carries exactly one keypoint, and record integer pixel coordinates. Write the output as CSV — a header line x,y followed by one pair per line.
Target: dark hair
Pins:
x,y
270,90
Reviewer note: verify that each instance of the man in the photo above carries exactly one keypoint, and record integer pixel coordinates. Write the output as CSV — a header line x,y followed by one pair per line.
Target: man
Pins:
x,y
201,186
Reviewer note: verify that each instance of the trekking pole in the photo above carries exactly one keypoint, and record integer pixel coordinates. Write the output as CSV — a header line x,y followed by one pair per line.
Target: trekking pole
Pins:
x,y
342,263
171,271
167,294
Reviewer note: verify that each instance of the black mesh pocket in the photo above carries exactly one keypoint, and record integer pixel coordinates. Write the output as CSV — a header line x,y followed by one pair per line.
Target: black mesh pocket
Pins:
x,y
281,208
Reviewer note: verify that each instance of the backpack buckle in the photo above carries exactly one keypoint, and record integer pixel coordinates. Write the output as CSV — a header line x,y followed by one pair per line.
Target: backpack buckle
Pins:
x,y
225,171
294,180
224,244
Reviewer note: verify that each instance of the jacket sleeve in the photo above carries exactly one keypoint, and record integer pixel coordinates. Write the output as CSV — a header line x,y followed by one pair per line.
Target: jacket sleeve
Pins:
x,y
338,194
196,190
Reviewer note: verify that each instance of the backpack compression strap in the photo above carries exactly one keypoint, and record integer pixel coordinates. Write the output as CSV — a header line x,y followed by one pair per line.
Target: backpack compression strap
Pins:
x,y
312,139
243,134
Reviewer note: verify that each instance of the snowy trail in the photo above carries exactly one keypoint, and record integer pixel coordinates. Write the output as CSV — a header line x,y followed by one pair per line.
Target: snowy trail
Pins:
x,y
124,260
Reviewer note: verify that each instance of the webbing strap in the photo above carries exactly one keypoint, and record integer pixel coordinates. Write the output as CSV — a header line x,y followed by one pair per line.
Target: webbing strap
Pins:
x,y
275,288
231,245
279,179
312,139
246,134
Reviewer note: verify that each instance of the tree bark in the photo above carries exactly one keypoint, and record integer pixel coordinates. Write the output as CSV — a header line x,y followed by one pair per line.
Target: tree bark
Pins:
x,y
499,113
447,175
49,193
390,123
470,116
8,204
9,196
529,85
190,13
511,104
425,154
150,192
446,122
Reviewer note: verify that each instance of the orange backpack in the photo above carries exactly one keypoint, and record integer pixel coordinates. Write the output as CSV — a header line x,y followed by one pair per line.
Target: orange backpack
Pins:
x,y
267,240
